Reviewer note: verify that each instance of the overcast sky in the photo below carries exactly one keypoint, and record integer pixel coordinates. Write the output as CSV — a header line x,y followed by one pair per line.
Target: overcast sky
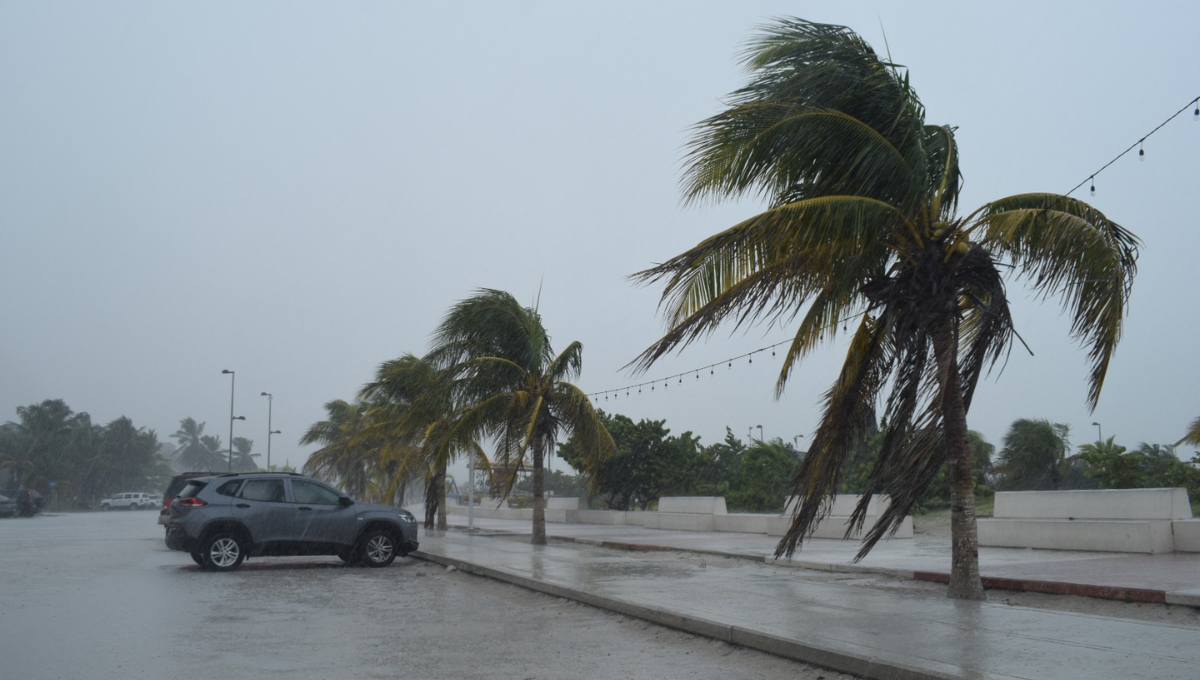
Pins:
x,y
299,191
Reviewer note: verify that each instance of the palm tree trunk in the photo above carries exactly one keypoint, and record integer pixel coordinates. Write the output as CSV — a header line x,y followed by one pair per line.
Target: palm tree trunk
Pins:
x,y
441,499
431,497
539,493
965,583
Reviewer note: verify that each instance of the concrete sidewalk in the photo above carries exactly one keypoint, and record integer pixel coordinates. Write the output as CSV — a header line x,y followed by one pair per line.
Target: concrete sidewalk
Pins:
x,y
1168,578
875,634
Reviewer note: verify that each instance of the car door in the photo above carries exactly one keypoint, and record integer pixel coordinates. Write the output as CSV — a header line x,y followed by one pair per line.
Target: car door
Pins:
x,y
261,505
320,516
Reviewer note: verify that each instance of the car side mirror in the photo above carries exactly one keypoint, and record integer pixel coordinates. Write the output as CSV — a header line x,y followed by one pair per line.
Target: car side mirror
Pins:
x,y
345,501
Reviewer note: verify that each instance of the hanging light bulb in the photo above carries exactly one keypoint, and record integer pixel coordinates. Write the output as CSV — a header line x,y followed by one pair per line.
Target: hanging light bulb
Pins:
x,y
772,352
1141,150
1093,178
731,364
752,358
681,380
697,375
639,390
711,372
1196,113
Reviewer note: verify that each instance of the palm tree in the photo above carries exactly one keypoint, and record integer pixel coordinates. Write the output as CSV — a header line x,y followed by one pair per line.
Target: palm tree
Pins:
x,y
193,453
413,419
1034,455
511,386
343,459
1193,434
862,225
243,456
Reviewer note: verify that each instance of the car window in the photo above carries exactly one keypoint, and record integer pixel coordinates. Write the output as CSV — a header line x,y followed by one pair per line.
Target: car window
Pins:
x,y
229,488
192,489
308,492
270,490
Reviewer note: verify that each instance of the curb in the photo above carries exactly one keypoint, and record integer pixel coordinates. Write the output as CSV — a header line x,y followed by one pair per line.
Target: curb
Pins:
x,y
1189,598
865,666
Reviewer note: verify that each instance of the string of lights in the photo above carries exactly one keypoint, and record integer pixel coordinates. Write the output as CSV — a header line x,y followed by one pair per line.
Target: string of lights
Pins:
x,y
1140,145
628,390
666,382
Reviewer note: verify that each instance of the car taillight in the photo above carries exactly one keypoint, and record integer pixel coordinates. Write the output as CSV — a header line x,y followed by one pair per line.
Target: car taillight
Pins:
x,y
192,502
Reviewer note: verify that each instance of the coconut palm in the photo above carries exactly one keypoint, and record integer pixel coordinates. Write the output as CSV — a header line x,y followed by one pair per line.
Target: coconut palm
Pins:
x,y
243,455
1193,434
510,386
1034,455
412,419
344,458
194,453
862,226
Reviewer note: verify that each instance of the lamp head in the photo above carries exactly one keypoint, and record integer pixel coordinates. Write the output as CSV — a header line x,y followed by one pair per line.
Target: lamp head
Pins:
x,y
276,432
264,394
239,417
223,372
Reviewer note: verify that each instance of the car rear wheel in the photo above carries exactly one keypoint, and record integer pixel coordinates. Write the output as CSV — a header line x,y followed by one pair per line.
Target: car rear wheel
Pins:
x,y
223,551
377,548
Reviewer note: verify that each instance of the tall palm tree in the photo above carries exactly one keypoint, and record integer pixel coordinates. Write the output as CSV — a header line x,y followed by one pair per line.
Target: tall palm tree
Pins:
x,y
413,420
193,453
862,226
512,387
339,461
243,455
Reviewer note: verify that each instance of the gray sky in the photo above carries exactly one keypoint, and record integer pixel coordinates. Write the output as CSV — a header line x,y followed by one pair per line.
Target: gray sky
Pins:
x,y
299,191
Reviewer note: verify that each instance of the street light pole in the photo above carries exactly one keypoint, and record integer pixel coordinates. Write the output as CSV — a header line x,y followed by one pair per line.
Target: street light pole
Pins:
x,y
270,404
232,382
760,432
1099,431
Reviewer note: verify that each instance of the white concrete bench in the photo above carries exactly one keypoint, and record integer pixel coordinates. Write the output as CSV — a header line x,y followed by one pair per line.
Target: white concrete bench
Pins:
x,y
1107,520
685,513
838,520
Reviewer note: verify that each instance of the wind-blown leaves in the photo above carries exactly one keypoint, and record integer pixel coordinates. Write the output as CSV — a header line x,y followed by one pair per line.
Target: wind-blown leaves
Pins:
x,y
863,195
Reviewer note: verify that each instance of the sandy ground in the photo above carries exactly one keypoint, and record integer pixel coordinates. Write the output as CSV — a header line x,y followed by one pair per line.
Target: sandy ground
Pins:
x,y
939,526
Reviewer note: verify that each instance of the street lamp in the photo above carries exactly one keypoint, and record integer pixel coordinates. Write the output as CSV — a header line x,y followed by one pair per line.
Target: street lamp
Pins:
x,y
796,439
1099,431
232,382
760,432
270,404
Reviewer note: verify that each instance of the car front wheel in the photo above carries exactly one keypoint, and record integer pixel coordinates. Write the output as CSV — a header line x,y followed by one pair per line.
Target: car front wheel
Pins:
x,y
377,548
222,552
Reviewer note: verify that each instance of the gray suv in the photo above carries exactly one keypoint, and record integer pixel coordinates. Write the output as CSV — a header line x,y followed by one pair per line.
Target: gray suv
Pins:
x,y
223,519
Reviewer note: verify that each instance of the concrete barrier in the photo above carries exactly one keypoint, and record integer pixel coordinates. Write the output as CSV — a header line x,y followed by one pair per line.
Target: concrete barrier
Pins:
x,y
836,524
1106,520
1186,533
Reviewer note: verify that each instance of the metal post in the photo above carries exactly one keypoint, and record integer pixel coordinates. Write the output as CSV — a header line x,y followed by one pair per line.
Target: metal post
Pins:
x,y
232,381
471,496
270,403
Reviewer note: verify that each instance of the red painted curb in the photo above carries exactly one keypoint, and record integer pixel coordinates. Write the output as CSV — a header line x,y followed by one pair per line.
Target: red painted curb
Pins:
x,y
1058,588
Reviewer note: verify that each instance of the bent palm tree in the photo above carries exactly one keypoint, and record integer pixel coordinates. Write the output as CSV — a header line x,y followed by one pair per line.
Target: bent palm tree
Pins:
x,y
413,419
513,388
1193,434
862,224
343,459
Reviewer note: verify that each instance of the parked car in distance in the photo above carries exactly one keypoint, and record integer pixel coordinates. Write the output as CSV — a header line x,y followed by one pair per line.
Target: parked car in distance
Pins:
x,y
8,507
223,519
28,501
173,488
130,501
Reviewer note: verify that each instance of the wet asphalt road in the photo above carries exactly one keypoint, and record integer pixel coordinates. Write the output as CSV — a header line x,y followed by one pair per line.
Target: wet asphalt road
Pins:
x,y
98,596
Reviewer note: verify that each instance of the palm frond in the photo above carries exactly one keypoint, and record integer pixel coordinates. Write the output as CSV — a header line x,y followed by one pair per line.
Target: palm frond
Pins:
x,y
1066,248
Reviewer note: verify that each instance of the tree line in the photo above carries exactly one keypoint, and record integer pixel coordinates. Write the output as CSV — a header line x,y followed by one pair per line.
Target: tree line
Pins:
x,y
755,476
74,462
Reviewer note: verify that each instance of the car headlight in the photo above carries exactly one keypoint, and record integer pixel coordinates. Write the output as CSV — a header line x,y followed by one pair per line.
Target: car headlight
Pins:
x,y
407,518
